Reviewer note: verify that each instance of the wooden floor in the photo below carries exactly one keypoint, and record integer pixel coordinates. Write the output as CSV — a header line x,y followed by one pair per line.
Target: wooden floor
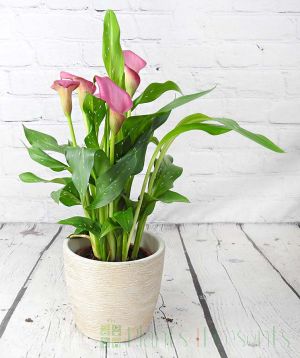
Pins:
x,y
228,290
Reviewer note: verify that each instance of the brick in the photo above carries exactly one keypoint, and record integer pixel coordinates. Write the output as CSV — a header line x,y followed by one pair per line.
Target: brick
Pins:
x,y
7,24
17,53
234,27
281,55
59,26
117,5
17,109
254,5
21,4
25,210
65,4
292,81
285,111
58,53
233,55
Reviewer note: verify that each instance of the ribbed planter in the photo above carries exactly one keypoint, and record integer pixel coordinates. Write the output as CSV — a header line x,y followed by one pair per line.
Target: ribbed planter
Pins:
x,y
113,301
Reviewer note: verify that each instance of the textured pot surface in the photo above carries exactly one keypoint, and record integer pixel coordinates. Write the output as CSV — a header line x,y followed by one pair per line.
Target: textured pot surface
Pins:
x,y
113,301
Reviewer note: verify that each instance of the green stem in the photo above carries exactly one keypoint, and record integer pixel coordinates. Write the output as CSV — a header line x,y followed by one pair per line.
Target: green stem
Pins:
x,y
141,197
71,130
124,246
138,237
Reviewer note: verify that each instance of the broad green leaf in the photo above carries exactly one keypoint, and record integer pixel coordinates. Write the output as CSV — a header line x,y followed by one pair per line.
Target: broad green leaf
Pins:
x,y
94,110
232,125
43,158
154,91
180,101
42,141
111,49
124,218
171,197
83,224
101,162
81,161
108,226
110,184
68,195
28,177
134,127
166,175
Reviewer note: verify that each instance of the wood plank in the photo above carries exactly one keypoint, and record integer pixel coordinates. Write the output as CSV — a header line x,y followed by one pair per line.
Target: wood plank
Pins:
x,y
20,248
42,324
280,244
254,311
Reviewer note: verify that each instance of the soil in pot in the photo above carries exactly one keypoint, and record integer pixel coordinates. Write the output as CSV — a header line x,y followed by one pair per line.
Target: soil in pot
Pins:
x,y
87,252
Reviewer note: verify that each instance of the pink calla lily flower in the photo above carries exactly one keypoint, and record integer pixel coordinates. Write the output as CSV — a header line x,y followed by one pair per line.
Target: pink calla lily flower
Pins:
x,y
65,89
84,87
133,65
118,101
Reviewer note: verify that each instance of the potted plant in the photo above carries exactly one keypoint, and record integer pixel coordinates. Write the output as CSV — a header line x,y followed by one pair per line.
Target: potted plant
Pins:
x,y
113,268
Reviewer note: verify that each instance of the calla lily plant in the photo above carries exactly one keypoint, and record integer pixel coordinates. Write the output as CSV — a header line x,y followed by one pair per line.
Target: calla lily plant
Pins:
x,y
99,174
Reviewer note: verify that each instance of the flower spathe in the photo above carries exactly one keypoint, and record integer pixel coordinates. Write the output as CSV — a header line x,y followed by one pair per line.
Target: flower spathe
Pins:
x,y
133,65
85,86
118,101
65,89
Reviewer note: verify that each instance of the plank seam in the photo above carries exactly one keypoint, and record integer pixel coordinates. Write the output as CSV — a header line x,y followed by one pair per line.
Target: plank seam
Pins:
x,y
23,289
208,317
266,258
168,325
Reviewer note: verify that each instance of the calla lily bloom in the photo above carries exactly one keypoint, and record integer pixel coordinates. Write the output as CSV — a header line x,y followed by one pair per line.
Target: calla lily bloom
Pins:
x,y
118,101
65,89
133,65
84,87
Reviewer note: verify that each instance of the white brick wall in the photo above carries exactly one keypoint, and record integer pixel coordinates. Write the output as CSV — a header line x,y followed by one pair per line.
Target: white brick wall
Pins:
x,y
250,48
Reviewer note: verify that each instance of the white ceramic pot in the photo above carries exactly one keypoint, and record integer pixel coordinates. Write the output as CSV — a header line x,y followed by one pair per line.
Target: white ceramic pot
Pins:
x,y
113,301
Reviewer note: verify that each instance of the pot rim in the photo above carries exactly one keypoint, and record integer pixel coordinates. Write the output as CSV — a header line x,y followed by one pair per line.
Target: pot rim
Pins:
x,y
158,252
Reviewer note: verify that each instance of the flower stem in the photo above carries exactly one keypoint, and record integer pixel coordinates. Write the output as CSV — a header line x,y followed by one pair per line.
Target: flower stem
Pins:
x,y
71,130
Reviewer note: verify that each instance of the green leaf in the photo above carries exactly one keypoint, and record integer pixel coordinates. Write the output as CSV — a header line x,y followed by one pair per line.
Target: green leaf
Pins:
x,y
43,158
110,184
94,110
171,197
154,91
232,125
68,195
101,162
108,226
28,177
42,141
166,175
81,161
180,101
82,223
124,218
111,49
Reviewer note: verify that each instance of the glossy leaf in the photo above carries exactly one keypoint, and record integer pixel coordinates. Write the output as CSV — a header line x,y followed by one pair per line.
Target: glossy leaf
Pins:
x,y
43,141
94,110
171,197
108,226
83,224
166,175
180,101
124,219
28,177
68,195
111,49
46,160
101,162
154,91
110,184
232,125
81,161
